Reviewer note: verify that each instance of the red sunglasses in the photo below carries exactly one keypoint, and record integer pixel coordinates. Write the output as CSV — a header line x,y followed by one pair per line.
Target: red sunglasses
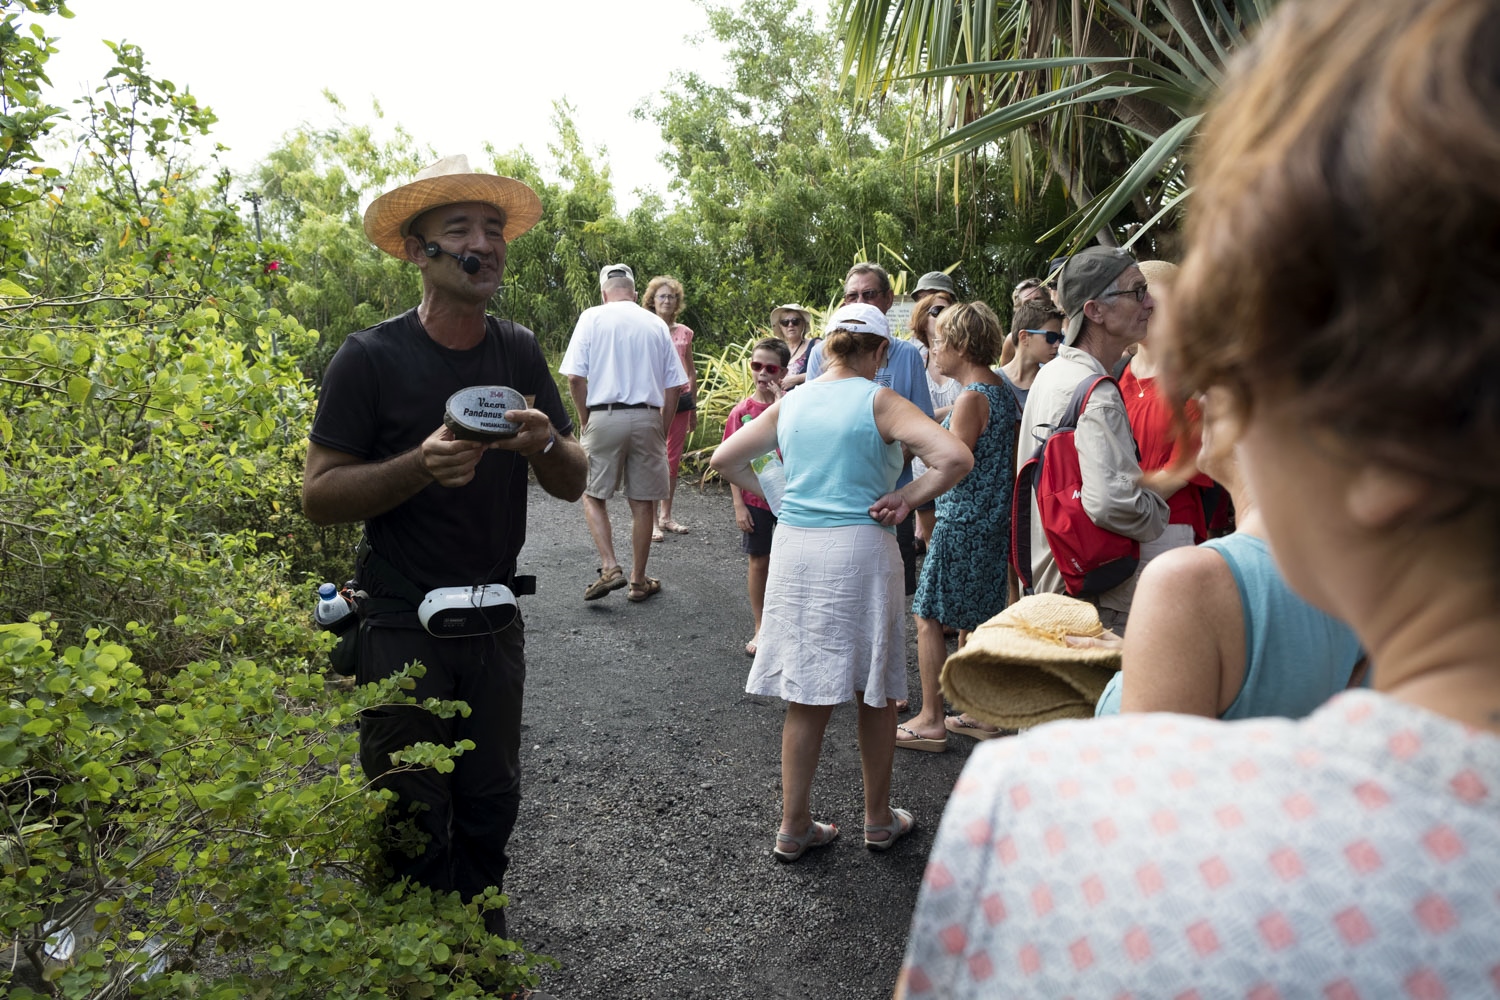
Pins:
x,y
758,366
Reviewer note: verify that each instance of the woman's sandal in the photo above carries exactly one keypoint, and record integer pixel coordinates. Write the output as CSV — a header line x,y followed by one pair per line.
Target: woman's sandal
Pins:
x,y
965,726
673,527
753,646
789,848
640,591
900,825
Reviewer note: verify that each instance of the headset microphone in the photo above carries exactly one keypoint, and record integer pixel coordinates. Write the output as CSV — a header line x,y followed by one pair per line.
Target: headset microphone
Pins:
x,y
469,264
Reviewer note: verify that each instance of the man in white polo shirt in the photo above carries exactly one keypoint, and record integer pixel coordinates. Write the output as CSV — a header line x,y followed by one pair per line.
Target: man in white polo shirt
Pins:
x,y
624,376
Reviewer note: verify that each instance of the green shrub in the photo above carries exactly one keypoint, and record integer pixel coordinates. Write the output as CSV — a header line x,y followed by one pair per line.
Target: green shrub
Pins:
x,y
212,820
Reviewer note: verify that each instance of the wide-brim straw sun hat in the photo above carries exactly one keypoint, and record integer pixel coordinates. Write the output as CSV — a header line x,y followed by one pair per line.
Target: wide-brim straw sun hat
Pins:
x,y
448,182
1157,273
791,307
1017,670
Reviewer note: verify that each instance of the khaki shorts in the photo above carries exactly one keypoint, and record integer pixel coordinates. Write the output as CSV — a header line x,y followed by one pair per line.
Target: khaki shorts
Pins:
x,y
630,447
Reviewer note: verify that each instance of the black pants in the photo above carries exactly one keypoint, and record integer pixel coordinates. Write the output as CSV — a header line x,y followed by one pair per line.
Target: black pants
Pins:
x,y
466,815
906,541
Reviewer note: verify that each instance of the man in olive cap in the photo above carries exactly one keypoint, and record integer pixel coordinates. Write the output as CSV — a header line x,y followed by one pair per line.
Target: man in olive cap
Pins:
x,y
1107,303
441,512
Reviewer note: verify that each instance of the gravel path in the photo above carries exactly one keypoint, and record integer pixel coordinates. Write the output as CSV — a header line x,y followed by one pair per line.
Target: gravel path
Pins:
x,y
642,858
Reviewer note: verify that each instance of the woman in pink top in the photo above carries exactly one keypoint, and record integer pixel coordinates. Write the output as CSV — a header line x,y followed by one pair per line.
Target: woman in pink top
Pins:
x,y
663,296
1346,194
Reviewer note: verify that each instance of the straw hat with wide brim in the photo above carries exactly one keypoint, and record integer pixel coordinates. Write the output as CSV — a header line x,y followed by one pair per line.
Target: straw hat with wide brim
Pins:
x,y
1017,669
447,182
791,307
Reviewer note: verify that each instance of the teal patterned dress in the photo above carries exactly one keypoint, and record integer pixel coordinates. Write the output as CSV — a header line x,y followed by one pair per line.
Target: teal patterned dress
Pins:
x,y
963,580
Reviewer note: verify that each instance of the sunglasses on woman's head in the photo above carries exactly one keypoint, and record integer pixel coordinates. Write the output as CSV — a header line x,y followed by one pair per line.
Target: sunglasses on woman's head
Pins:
x,y
760,366
1053,336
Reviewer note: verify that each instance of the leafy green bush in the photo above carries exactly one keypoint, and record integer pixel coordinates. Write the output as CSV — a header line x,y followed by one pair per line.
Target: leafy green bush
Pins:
x,y
154,831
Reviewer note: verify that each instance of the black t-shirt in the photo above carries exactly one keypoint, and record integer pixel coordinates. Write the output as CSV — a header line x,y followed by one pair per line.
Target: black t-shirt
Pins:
x,y
385,392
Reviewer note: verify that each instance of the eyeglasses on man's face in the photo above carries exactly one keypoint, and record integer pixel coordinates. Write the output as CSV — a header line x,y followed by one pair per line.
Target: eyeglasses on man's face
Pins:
x,y
870,295
790,321
761,366
1139,291
1053,336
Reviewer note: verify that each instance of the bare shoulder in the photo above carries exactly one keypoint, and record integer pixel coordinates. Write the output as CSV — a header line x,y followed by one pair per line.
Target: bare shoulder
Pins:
x,y
1190,577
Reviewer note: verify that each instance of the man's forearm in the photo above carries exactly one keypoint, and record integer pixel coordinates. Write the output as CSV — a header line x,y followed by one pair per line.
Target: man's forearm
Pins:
x,y
578,389
669,407
342,492
563,472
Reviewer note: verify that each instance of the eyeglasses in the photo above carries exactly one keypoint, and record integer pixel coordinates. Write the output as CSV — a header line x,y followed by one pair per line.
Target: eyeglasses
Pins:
x,y
1139,291
935,311
1053,336
790,321
865,296
936,342
757,366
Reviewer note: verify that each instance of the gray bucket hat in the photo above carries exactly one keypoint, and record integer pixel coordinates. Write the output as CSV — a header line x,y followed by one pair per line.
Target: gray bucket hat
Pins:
x,y
935,281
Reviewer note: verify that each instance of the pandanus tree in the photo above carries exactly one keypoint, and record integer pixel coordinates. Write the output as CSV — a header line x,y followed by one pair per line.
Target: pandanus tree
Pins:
x,y
1102,96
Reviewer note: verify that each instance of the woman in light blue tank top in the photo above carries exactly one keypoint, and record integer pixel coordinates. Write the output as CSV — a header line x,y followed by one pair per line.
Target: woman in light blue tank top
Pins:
x,y
1215,630
833,622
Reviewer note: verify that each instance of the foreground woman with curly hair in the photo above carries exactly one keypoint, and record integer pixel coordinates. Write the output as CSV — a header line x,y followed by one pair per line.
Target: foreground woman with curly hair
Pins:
x,y
1346,196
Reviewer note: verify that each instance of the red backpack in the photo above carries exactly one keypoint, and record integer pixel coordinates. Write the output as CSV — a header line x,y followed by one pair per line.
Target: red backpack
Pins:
x,y
1091,559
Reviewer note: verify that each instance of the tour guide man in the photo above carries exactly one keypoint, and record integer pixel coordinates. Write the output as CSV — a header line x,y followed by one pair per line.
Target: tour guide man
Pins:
x,y
442,512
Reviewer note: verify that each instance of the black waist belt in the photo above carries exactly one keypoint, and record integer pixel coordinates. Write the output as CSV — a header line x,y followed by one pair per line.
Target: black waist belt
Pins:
x,y
623,406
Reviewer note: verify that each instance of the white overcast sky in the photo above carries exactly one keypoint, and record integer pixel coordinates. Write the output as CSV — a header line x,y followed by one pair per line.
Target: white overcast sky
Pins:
x,y
454,73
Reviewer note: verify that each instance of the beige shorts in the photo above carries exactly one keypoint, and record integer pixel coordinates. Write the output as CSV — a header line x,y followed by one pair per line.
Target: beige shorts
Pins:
x,y
630,447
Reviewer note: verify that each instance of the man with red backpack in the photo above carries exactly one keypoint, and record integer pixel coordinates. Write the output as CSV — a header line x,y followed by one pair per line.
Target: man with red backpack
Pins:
x,y
1107,302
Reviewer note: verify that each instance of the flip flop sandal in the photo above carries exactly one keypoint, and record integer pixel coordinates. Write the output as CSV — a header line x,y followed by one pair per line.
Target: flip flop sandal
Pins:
x,y
900,825
674,527
753,646
640,591
914,742
613,580
657,536
967,727
789,848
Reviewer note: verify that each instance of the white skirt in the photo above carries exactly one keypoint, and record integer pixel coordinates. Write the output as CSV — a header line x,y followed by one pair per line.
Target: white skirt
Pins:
x,y
834,622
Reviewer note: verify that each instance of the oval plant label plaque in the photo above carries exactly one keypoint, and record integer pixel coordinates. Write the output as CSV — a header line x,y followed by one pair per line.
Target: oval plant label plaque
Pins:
x,y
478,412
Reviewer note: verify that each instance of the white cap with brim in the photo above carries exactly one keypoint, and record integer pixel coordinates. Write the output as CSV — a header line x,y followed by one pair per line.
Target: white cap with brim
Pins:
x,y
859,317
609,271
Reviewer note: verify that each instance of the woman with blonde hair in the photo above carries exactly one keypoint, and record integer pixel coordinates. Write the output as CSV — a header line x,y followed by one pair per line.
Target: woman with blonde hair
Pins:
x,y
833,625
960,586
663,296
1346,194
